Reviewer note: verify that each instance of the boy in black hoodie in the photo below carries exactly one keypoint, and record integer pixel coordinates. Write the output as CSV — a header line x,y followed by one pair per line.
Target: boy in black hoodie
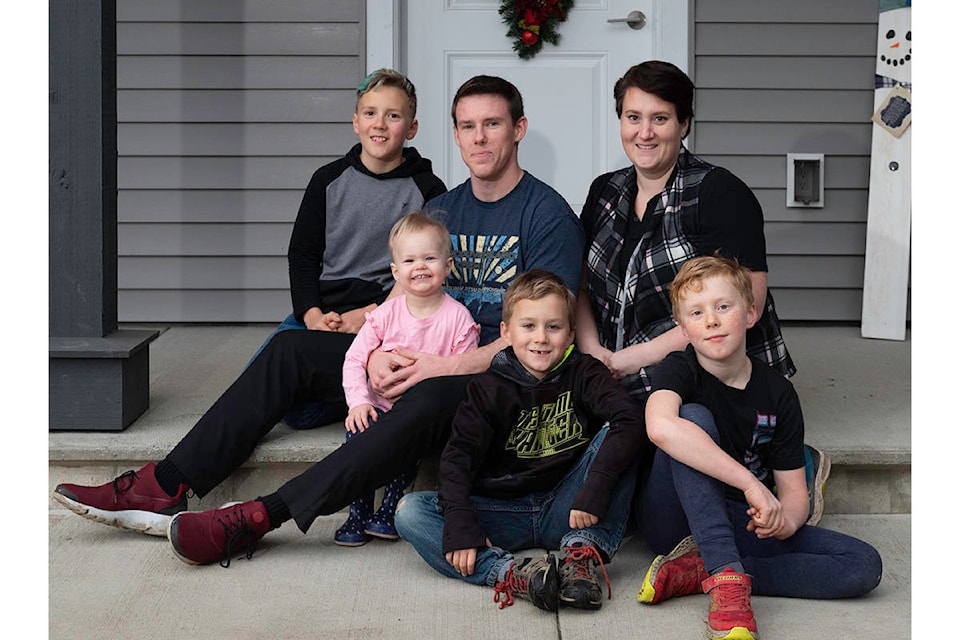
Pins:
x,y
541,455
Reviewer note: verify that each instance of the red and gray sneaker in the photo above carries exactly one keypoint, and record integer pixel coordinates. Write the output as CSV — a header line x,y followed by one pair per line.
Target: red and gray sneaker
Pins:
x,y
218,535
132,501
534,579
581,571
679,573
731,617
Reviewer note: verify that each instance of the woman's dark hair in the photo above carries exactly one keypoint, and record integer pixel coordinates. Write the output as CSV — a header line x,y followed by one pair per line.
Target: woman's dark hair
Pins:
x,y
662,79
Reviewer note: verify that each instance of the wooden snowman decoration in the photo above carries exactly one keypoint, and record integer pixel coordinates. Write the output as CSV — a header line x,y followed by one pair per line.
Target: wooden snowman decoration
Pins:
x,y
887,262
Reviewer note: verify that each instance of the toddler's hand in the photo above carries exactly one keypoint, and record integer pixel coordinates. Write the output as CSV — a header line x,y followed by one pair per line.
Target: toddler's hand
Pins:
x,y
359,418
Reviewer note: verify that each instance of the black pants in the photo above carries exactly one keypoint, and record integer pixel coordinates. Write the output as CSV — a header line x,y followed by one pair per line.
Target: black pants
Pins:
x,y
299,365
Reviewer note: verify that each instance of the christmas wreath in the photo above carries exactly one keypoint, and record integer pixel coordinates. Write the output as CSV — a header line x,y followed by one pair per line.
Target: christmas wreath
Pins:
x,y
533,22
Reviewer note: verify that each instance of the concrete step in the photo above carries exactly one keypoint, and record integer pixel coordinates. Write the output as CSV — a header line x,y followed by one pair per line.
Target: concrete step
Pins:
x,y
844,382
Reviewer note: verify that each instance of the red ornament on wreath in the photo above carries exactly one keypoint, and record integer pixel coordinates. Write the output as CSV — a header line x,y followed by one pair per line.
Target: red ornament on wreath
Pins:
x,y
532,22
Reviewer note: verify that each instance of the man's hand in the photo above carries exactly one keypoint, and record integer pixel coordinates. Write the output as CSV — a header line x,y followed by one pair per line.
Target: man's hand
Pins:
x,y
423,366
317,320
582,519
381,365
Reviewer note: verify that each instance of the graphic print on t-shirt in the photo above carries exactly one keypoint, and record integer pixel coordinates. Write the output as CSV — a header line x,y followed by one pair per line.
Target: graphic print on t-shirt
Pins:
x,y
762,435
546,430
483,268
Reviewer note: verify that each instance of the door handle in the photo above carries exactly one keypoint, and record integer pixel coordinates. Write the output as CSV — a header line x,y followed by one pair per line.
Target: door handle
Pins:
x,y
634,20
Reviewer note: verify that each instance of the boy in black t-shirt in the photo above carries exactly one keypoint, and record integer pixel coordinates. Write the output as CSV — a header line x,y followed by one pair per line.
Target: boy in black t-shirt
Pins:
x,y
730,469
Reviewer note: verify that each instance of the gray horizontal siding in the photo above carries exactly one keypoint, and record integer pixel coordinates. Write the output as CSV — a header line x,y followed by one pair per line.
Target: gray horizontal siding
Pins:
x,y
235,105
775,78
251,205
240,11
217,173
268,39
808,11
215,139
225,109
238,72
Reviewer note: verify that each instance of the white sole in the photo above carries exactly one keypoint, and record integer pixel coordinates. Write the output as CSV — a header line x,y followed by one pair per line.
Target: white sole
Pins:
x,y
152,524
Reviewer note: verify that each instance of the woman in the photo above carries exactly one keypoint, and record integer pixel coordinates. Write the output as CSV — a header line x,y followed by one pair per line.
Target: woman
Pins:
x,y
644,221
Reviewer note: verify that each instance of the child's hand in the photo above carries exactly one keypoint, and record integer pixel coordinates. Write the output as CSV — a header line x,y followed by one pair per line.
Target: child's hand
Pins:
x,y
766,512
317,320
582,519
463,560
359,418
351,321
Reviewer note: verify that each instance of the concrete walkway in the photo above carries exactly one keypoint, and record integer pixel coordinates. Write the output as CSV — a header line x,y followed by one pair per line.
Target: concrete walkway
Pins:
x,y
107,584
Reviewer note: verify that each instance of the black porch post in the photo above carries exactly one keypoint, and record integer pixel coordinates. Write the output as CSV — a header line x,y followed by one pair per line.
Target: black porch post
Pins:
x,y
99,376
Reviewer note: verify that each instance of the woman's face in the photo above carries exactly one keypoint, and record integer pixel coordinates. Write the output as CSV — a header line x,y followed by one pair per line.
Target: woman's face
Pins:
x,y
650,133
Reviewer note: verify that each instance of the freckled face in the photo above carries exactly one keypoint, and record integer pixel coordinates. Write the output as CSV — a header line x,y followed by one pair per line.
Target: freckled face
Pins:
x,y
716,318
650,133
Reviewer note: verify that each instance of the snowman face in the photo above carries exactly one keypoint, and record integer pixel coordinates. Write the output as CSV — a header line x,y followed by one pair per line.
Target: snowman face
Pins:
x,y
894,44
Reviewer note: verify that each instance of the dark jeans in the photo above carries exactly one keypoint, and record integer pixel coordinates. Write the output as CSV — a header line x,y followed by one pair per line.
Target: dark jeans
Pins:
x,y
812,563
298,365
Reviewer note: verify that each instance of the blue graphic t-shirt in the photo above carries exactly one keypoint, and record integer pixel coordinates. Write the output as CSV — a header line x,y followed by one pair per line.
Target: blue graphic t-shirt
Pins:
x,y
532,227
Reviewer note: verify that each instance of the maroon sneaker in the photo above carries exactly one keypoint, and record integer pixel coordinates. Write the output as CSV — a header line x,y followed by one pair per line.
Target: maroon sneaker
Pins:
x,y
217,535
132,501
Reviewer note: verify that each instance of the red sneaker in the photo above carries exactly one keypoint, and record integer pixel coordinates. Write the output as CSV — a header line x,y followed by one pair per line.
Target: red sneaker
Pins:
x,y
133,501
679,573
731,617
217,535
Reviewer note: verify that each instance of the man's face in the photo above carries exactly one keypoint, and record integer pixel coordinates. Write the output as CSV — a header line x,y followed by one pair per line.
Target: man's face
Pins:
x,y
383,121
487,136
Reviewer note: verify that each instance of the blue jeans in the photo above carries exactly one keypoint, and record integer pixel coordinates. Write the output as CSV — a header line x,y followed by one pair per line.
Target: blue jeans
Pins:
x,y
812,563
309,413
535,520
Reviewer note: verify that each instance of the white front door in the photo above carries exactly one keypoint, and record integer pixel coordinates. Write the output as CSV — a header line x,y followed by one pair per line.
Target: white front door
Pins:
x,y
567,89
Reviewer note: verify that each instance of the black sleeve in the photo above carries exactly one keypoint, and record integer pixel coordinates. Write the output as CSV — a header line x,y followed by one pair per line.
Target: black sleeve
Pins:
x,y
307,244
608,401
460,461
786,449
730,219
588,215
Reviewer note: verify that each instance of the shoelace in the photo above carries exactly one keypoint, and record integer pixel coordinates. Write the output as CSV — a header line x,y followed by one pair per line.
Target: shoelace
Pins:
x,y
236,531
732,597
506,588
578,558
123,482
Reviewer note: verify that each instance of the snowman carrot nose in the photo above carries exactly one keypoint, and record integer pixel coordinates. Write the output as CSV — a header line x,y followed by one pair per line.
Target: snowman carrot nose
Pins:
x,y
895,45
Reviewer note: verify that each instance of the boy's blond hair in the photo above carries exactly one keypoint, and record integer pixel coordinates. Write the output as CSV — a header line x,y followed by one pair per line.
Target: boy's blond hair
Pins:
x,y
537,284
415,222
389,78
696,270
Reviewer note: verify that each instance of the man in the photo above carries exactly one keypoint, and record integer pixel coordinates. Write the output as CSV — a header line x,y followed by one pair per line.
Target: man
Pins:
x,y
503,221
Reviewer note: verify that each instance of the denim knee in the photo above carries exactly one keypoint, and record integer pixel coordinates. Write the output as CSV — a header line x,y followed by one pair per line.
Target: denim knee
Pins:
x,y
701,416
411,506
